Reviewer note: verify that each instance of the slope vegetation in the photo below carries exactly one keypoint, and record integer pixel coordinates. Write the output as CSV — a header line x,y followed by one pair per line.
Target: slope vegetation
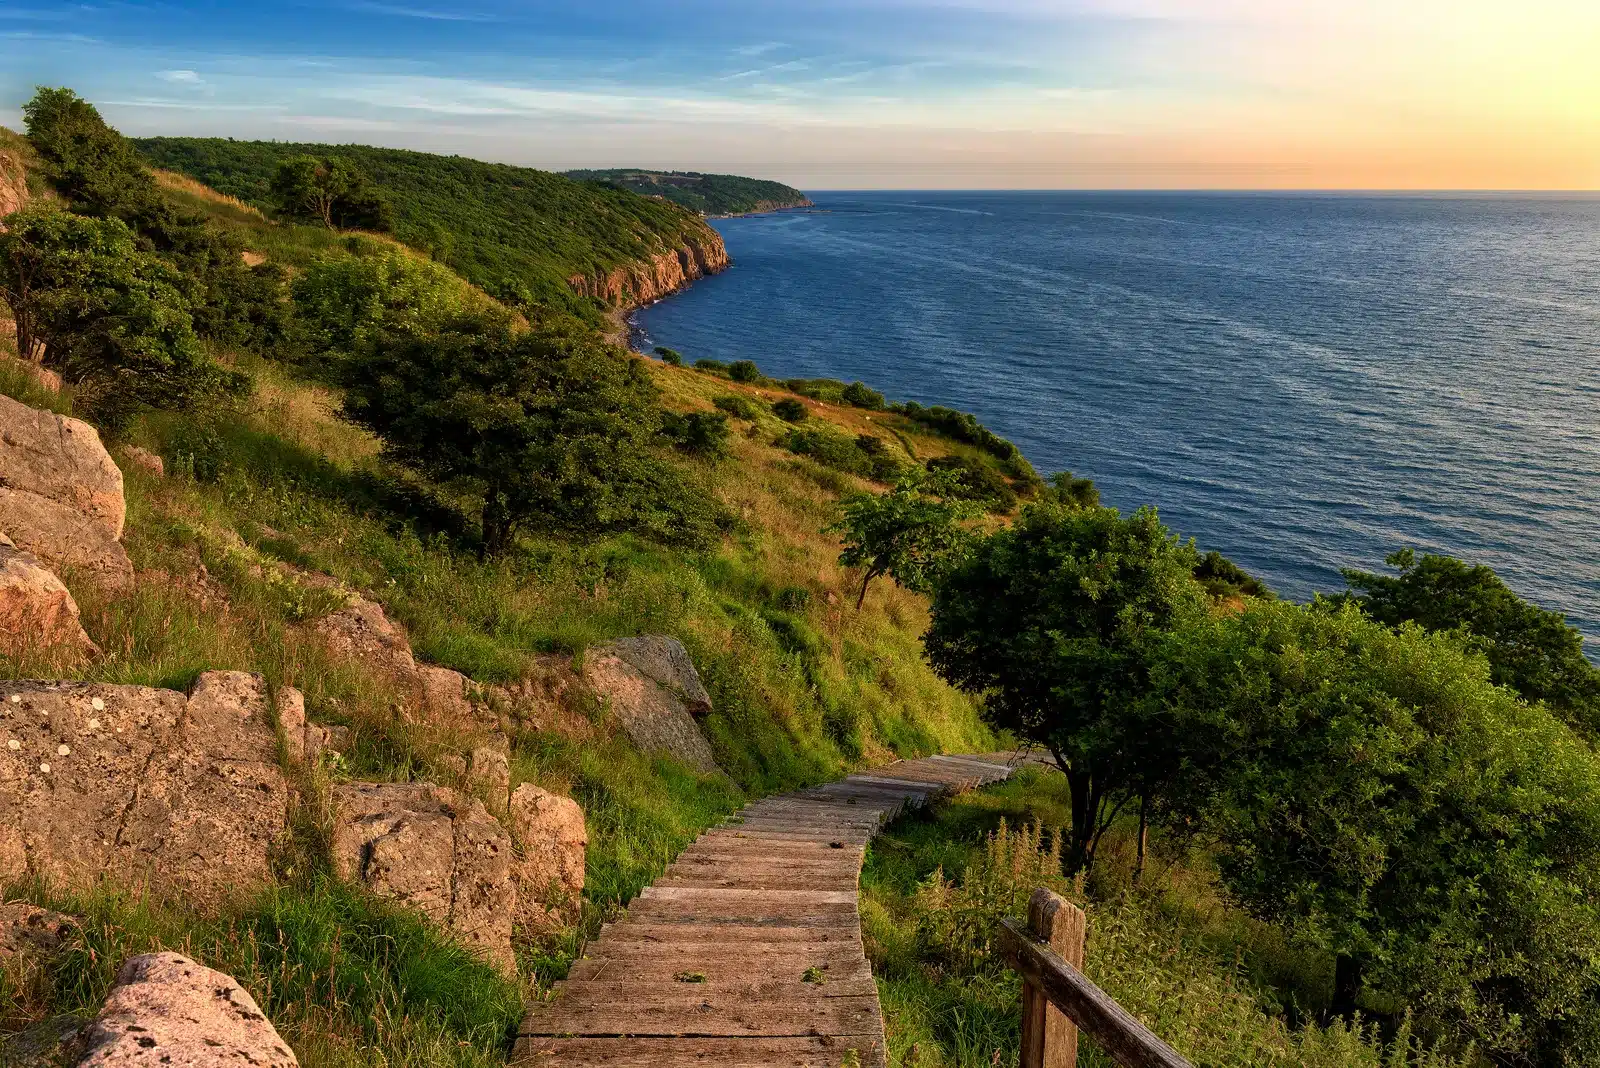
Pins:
x,y
709,194
518,232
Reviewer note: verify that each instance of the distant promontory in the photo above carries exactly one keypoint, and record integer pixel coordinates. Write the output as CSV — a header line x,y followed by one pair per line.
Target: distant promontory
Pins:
x,y
709,194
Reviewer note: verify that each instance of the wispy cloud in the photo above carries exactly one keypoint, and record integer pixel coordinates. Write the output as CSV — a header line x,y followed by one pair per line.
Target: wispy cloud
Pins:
x,y
434,14
180,77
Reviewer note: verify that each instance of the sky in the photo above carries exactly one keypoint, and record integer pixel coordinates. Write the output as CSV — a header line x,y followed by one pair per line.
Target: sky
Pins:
x,y
857,94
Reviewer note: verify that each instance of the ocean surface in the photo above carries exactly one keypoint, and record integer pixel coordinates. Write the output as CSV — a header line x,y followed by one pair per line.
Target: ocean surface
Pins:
x,y
1303,382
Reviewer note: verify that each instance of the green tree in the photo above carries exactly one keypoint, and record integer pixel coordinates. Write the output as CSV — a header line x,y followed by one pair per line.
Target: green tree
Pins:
x,y
334,192
1052,621
910,533
790,410
1530,649
548,425
1073,491
1371,790
744,371
109,318
90,163
344,302
860,395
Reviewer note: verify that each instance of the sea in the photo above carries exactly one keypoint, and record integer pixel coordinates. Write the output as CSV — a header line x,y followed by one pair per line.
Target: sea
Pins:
x,y
1303,382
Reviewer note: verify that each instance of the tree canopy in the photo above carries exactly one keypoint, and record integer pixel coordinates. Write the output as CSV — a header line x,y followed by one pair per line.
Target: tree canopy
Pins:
x,y
549,427
1371,790
1051,621
109,318
1530,649
334,192
912,533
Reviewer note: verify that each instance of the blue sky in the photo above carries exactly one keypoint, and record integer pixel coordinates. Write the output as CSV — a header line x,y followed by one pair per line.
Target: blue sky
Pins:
x,y
897,93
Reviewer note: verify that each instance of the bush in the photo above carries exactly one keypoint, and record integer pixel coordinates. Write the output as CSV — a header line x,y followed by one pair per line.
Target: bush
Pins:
x,y
343,303
672,356
859,395
790,410
977,482
744,371
712,367
737,406
701,433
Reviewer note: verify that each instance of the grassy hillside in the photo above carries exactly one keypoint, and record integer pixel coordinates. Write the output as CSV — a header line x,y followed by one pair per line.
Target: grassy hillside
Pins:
x,y
709,194
501,227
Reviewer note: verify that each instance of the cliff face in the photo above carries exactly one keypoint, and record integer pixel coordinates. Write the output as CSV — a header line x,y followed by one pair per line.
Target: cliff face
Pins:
x,y
13,183
634,284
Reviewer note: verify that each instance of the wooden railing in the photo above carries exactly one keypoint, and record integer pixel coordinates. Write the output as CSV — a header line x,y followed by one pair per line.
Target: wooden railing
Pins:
x,y
1057,999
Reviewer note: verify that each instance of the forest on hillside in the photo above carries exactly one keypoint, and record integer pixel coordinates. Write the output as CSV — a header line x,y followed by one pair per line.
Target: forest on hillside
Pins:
x,y
708,194
517,232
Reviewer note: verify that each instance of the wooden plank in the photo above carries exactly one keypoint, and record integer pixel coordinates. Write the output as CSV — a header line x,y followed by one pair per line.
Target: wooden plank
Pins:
x,y
759,879
724,934
723,967
697,1015
1117,1031
630,992
709,896
812,1051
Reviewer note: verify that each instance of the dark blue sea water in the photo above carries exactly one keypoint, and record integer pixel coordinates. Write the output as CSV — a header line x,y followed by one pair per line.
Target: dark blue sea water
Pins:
x,y
1303,382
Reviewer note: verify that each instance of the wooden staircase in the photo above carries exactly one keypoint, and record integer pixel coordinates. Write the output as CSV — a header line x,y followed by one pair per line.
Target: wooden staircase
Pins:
x,y
748,950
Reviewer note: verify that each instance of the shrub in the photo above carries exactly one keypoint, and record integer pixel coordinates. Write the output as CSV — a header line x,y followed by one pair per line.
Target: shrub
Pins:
x,y
549,426
701,433
672,356
790,410
737,406
744,371
975,481
859,395
343,303
712,367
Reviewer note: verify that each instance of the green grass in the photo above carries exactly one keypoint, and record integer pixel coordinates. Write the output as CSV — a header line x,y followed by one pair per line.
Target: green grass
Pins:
x,y
936,885
346,980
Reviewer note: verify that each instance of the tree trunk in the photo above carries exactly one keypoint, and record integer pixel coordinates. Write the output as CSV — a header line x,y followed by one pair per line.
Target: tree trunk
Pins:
x,y
872,573
1144,833
1084,806
1346,985
496,525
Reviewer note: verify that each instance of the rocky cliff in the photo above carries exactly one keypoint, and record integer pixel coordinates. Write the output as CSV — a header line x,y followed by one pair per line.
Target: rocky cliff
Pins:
x,y
664,273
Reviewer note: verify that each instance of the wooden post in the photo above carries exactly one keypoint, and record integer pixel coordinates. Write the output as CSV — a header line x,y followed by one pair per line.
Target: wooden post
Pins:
x,y
1049,1039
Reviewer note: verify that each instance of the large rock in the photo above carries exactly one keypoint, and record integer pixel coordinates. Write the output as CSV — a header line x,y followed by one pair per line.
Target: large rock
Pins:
x,y
651,685
141,786
434,850
363,633
60,493
167,1010
37,611
551,845
30,931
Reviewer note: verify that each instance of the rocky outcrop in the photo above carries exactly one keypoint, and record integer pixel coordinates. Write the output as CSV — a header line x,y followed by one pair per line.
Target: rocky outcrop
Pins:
x,y
434,850
145,460
440,852
651,686
552,844
141,786
662,274
13,184
167,1010
60,493
362,632
30,931
37,611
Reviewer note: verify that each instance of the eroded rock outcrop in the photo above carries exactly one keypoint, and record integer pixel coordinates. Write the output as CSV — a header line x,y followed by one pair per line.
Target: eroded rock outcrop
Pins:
x,y
362,632
142,786
651,685
434,850
37,611
552,843
28,931
167,1010
658,276
60,493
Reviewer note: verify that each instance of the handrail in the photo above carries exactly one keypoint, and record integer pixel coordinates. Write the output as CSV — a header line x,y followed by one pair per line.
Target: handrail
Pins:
x,y
1049,977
